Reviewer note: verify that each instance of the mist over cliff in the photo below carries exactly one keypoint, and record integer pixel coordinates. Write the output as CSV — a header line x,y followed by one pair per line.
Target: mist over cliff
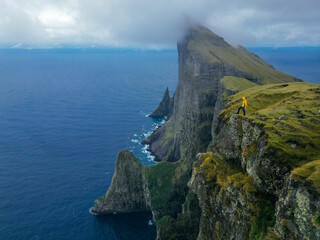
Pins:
x,y
155,24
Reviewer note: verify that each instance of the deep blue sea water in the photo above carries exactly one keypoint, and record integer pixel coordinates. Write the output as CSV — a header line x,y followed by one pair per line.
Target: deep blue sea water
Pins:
x,y
301,62
64,115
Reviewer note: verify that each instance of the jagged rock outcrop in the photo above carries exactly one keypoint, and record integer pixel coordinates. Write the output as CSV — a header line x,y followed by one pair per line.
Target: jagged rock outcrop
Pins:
x,y
165,106
127,192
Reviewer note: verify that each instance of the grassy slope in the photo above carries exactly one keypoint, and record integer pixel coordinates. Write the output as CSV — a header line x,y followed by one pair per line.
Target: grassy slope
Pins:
x,y
214,49
297,132
237,84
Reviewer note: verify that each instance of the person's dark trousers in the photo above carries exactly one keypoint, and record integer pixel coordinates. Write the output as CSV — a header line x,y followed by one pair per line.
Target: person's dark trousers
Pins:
x,y
244,112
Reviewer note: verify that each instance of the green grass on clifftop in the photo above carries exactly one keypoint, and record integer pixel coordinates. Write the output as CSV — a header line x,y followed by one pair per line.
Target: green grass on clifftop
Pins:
x,y
290,116
237,84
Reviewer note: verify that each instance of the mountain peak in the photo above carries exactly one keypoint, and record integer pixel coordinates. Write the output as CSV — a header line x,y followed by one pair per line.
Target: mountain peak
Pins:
x,y
209,48
201,34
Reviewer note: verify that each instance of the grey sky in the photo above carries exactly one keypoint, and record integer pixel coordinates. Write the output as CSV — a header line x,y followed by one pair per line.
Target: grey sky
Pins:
x,y
156,23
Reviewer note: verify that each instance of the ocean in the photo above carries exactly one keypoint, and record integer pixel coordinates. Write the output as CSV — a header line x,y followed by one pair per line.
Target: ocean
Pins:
x,y
64,115
301,62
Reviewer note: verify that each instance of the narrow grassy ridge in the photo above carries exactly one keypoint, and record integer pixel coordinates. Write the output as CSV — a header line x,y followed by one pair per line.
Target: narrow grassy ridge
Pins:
x,y
290,116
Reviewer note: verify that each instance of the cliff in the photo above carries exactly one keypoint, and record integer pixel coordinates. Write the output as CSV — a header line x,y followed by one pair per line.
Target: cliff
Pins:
x,y
208,67
261,179
248,170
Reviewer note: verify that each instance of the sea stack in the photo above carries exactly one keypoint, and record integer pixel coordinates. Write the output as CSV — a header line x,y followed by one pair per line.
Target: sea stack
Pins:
x,y
165,106
126,193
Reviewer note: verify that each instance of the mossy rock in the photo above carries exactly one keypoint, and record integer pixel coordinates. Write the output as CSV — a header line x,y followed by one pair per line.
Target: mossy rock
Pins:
x,y
225,174
309,172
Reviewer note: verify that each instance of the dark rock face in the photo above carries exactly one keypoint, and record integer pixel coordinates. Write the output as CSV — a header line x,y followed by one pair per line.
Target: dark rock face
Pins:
x,y
225,214
165,106
126,193
297,206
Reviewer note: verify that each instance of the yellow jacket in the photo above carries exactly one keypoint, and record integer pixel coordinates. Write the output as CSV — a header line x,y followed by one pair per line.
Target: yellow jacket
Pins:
x,y
244,102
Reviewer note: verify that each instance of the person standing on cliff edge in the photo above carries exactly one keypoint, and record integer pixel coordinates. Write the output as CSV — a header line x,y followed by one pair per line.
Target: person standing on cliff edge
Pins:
x,y
244,106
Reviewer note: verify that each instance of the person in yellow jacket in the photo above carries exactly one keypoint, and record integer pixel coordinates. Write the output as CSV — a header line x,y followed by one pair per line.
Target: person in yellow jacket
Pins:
x,y
243,106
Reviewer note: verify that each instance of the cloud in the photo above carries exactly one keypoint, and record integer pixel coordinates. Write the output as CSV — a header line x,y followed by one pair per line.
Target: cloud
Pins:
x,y
156,24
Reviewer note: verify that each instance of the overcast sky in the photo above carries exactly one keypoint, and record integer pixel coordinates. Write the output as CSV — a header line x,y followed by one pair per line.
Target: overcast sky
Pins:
x,y
156,23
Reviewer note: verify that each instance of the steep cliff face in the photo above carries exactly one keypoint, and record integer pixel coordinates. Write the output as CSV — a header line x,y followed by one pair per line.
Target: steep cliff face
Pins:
x,y
127,192
188,130
235,185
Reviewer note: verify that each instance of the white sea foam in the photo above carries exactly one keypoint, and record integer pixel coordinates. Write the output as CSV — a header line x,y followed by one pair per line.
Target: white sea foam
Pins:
x,y
144,149
90,211
151,158
151,223
148,154
147,134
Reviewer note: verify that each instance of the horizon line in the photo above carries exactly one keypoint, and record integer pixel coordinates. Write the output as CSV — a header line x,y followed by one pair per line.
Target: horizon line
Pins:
x,y
136,48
